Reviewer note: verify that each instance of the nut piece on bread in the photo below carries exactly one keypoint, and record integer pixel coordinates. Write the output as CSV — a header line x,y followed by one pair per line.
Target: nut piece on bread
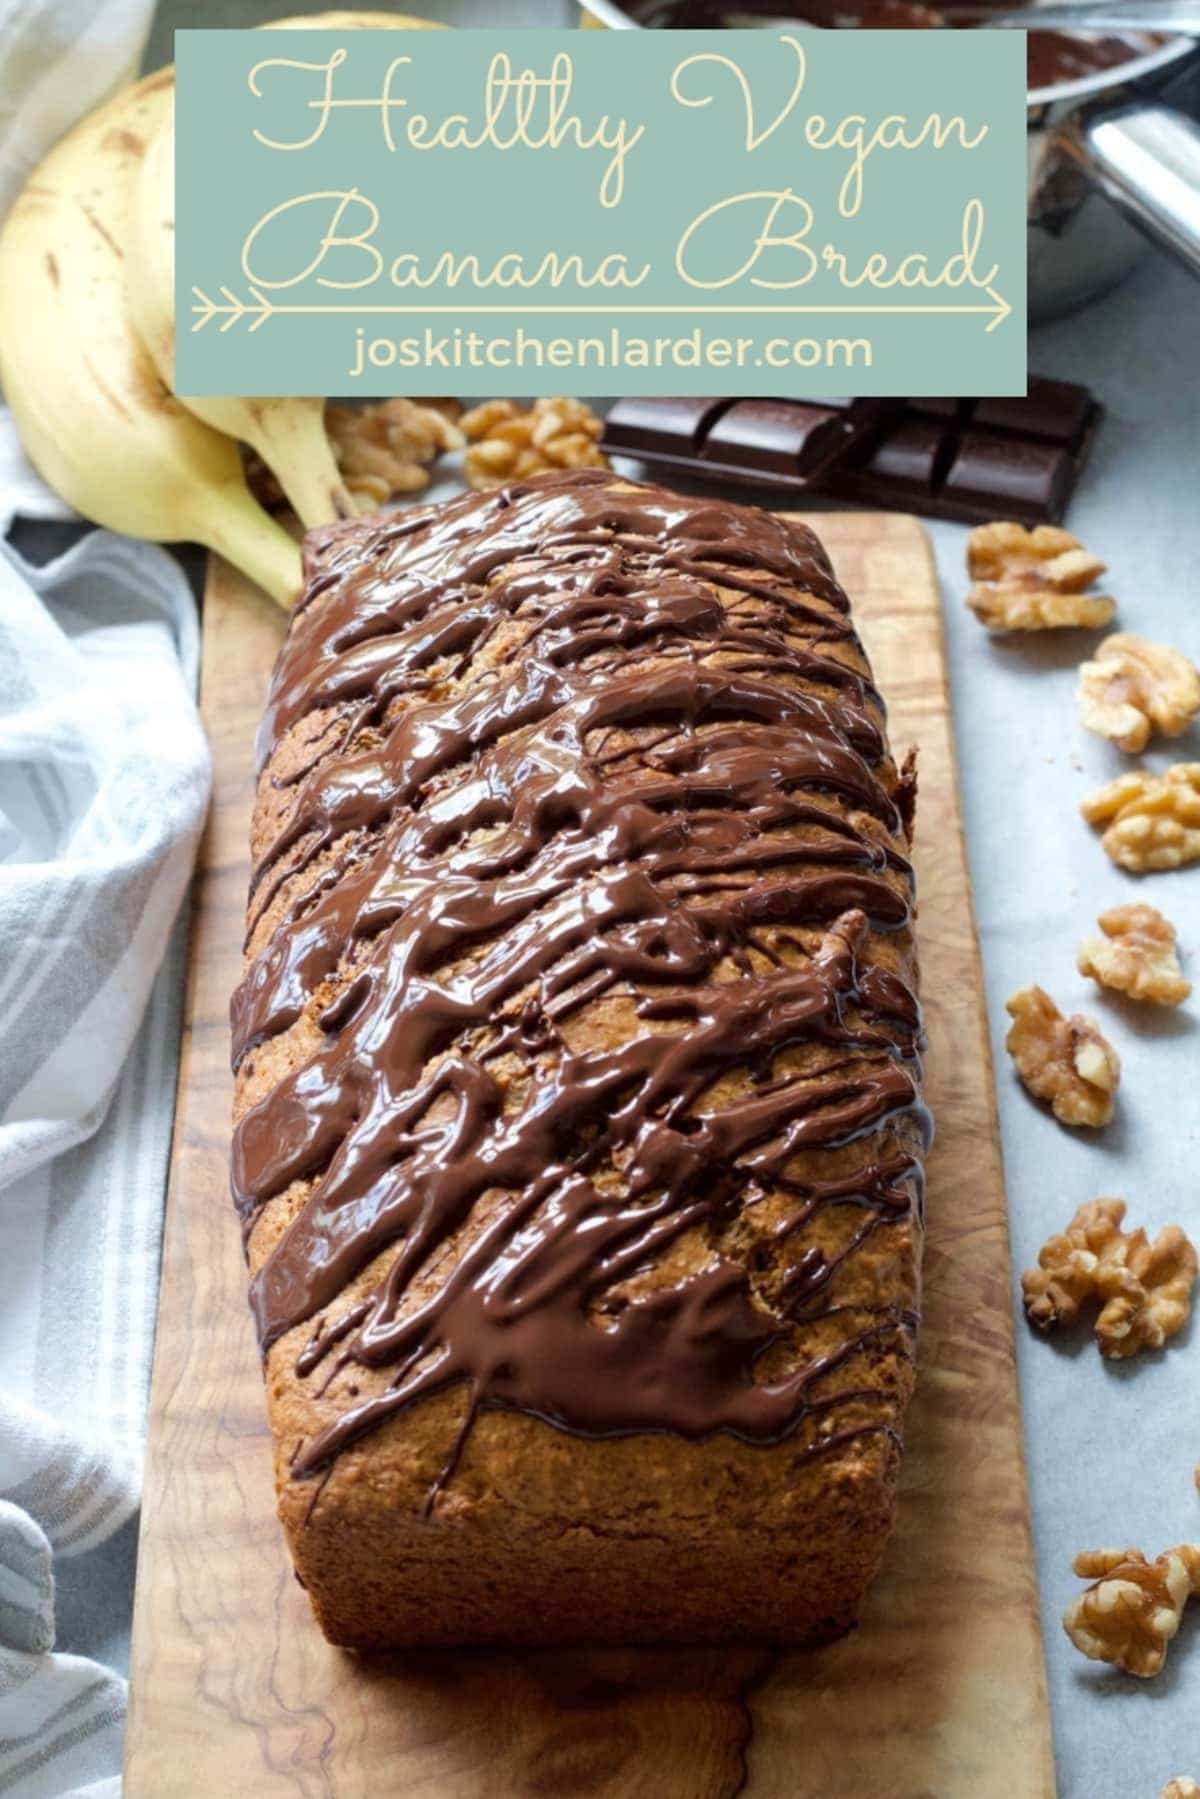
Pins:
x,y
1033,580
1144,1289
1132,688
1135,956
1153,820
1132,1609
1064,1061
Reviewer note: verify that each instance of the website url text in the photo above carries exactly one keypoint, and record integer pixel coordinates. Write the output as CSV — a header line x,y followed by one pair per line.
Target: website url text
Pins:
x,y
461,348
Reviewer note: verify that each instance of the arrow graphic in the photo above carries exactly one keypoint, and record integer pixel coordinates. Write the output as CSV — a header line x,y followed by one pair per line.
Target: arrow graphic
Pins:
x,y
232,311
1002,308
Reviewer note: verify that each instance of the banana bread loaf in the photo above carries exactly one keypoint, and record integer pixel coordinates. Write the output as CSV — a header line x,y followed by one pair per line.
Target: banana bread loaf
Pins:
x,y
578,1131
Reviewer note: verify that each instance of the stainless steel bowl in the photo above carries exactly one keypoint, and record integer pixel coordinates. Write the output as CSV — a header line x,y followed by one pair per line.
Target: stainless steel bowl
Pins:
x,y
1113,162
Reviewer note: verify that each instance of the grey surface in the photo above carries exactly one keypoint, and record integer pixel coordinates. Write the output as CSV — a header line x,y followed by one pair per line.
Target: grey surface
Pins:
x,y
1111,1449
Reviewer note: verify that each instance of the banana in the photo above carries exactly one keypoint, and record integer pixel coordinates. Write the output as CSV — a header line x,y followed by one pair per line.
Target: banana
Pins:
x,y
288,434
83,250
92,411
354,21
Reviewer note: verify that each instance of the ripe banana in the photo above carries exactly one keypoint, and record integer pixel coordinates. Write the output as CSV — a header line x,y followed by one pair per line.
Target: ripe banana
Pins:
x,y
289,434
93,414
354,21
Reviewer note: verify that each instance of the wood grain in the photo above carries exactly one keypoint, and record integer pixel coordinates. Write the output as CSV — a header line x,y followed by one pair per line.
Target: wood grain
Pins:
x,y
939,1695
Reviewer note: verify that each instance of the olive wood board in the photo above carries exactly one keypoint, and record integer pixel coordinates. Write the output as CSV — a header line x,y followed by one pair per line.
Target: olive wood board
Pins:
x,y
940,1694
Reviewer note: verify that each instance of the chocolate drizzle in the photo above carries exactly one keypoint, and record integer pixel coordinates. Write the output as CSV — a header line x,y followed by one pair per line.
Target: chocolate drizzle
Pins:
x,y
585,825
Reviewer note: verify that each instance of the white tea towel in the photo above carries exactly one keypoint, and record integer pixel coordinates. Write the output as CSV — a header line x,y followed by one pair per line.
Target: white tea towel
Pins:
x,y
103,787
59,59
61,1716
23,493
103,782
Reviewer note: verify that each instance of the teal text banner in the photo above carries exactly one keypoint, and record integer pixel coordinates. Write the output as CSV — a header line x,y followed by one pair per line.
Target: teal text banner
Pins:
x,y
782,212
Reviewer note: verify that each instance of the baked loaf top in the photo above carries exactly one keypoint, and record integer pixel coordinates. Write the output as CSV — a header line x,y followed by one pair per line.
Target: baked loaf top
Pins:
x,y
577,1047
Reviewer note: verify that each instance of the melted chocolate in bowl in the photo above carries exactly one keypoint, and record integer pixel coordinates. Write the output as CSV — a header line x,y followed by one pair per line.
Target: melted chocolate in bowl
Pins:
x,y
1054,57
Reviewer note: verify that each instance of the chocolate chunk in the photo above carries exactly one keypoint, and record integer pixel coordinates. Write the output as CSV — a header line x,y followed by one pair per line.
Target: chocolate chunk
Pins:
x,y
939,406
1057,410
790,440
903,471
1008,477
670,427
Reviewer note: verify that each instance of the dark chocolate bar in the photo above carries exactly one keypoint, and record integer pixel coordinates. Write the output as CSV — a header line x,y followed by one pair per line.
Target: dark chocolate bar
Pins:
x,y
777,442
970,460
793,440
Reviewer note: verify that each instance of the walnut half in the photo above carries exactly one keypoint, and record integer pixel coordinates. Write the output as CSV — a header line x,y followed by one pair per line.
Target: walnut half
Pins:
x,y
1182,1787
1064,1061
1144,1289
1132,688
1153,820
1135,956
389,446
1132,1609
1033,580
508,444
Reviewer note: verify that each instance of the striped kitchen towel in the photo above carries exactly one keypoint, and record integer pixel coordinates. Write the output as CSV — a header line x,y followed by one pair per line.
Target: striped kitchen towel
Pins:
x,y
103,786
103,776
59,59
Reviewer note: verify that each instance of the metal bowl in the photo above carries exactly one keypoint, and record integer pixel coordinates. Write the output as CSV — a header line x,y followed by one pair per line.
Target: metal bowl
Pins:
x,y
1112,164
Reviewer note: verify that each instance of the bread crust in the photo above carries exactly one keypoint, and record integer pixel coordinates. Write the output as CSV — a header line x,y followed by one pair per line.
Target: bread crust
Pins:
x,y
621,1480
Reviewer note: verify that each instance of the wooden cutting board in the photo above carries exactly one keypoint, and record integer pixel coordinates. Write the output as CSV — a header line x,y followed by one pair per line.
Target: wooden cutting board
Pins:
x,y
939,1695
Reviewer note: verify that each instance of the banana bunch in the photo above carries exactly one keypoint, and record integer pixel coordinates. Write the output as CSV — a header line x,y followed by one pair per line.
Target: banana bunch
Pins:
x,y
87,351
93,414
288,434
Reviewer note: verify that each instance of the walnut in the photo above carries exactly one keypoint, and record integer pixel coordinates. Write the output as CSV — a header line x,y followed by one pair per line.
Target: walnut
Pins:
x,y
382,449
508,444
389,447
1144,1289
1153,820
1064,1061
1033,580
1133,687
1136,956
1182,1787
1132,1609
